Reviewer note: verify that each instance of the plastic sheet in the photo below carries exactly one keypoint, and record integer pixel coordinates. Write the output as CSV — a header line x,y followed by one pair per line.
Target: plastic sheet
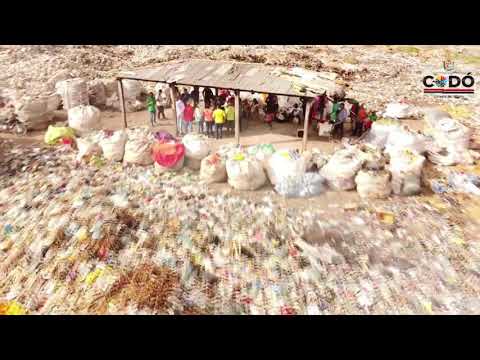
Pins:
x,y
306,185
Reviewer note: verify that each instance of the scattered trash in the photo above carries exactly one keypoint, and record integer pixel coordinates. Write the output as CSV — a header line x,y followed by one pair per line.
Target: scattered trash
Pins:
x,y
465,183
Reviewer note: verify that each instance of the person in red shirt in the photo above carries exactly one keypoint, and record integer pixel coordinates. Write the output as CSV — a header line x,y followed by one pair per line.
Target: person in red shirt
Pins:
x,y
188,114
363,119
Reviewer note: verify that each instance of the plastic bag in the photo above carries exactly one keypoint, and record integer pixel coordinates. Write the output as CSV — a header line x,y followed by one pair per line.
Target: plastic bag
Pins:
x,y
226,151
399,111
164,136
55,134
316,160
74,92
245,173
168,155
84,119
113,144
465,183
324,129
159,169
261,152
305,185
285,163
341,169
88,148
374,159
213,169
403,139
380,131
406,168
196,148
373,184
138,147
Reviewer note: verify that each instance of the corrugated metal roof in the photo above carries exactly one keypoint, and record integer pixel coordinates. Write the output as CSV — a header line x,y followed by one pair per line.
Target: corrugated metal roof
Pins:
x,y
237,76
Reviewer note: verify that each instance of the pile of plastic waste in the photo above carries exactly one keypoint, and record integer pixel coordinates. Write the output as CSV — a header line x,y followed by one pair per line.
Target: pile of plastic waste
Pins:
x,y
112,238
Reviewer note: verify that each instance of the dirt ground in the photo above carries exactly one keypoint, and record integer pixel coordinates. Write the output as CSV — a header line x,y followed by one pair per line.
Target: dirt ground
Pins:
x,y
282,136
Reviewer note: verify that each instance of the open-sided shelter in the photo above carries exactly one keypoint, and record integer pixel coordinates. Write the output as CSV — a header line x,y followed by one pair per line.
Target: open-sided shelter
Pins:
x,y
237,77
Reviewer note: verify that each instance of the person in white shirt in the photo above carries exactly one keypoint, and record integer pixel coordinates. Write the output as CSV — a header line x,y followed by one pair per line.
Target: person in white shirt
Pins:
x,y
180,107
161,101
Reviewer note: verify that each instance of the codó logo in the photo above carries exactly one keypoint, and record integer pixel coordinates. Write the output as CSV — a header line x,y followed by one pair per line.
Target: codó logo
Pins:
x,y
448,83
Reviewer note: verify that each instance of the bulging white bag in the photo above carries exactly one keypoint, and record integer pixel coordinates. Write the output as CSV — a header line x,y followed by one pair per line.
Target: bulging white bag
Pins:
x,y
403,139
373,184
113,144
245,173
406,168
213,169
138,148
262,152
399,111
84,119
196,149
87,148
380,131
341,169
374,159
286,163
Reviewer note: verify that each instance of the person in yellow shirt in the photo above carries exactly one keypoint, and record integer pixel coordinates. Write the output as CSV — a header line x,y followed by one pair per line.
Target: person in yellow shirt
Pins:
x,y
219,118
230,115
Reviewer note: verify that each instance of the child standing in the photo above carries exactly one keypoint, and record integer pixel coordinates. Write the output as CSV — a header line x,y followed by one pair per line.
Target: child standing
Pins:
x,y
161,100
230,114
151,107
208,118
188,117
199,119
219,117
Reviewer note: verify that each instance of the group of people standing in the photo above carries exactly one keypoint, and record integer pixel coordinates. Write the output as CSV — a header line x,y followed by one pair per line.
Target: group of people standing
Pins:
x,y
338,112
218,111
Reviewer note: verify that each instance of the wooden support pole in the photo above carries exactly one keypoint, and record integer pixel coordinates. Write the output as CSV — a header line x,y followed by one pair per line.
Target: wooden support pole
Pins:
x,y
122,102
174,107
305,125
237,117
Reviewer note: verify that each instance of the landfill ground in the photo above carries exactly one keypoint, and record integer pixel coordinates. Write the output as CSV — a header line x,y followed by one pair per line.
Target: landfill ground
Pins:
x,y
108,238
112,239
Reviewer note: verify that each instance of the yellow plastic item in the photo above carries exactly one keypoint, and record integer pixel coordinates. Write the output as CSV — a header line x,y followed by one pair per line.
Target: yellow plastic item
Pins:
x,y
458,112
239,157
387,218
82,234
55,134
93,276
285,154
12,308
